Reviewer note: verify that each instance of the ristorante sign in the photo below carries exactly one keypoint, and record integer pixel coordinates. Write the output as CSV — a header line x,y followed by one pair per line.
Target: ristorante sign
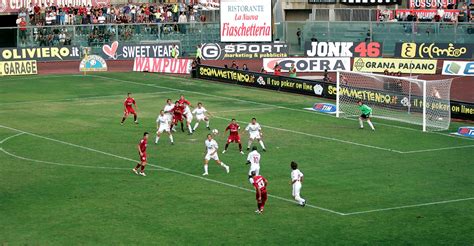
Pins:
x,y
246,21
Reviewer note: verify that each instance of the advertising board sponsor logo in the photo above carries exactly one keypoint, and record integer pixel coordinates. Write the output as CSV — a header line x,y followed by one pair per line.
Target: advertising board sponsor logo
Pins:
x,y
370,2
434,50
327,108
460,110
318,89
379,65
93,63
308,64
40,53
9,68
219,51
424,13
118,51
441,4
343,49
246,20
466,131
267,81
13,6
458,68
162,65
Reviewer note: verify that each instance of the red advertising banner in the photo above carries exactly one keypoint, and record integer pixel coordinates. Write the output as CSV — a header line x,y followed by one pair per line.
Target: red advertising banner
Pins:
x,y
13,6
162,65
422,14
428,13
430,4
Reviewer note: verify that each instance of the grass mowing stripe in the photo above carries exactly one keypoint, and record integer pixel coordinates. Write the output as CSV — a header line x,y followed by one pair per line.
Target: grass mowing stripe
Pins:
x,y
80,98
192,175
164,168
281,107
276,128
321,137
253,102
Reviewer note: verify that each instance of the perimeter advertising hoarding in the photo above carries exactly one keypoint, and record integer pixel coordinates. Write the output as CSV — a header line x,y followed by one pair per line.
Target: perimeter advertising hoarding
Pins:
x,y
220,51
162,65
65,53
309,64
459,110
9,68
128,51
380,65
434,50
458,68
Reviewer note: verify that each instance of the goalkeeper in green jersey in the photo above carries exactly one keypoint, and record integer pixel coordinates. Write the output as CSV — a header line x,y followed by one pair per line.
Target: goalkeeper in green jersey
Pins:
x,y
366,112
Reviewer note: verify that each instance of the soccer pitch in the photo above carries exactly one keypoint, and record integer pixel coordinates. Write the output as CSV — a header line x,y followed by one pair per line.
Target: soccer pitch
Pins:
x,y
65,170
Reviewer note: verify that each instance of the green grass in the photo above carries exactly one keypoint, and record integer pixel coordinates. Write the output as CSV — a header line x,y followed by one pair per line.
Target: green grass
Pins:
x,y
49,197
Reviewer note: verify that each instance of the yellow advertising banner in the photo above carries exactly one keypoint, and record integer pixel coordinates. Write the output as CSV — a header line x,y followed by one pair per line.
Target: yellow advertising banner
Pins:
x,y
9,68
380,65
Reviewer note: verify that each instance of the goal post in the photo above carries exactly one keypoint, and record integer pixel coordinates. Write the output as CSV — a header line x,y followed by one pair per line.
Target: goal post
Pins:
x,y
403,99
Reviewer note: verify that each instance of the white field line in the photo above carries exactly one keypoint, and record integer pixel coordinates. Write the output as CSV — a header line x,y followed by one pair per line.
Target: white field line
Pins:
x,y
243,110
164,168
37,77
10,137
66,164
81,98
410,206
437,149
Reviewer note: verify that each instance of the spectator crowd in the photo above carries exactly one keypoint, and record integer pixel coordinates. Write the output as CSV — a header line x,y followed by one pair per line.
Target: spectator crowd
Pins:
x,y
462,12
41,16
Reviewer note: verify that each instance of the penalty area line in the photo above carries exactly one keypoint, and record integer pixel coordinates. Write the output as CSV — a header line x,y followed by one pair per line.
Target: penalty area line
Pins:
x,y
55,163
410,206
160,167
319,136
437,149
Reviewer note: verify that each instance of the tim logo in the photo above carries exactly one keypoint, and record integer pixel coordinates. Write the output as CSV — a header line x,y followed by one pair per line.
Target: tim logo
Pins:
x,y
467,131
325,108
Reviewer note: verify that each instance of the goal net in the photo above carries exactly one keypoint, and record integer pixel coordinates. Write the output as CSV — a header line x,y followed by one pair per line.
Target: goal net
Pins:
x,y
404,99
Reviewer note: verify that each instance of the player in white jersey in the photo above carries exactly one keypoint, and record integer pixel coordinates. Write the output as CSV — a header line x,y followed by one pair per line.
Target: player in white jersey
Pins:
x,y
255,133
163,125
189,118
200,113
253,158
211,153
296,182
169,111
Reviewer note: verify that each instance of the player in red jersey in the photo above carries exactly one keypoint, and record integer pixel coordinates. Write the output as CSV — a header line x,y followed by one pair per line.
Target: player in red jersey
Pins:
x,y
260,184
128,108
183,101
178,111
234,136
142,153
